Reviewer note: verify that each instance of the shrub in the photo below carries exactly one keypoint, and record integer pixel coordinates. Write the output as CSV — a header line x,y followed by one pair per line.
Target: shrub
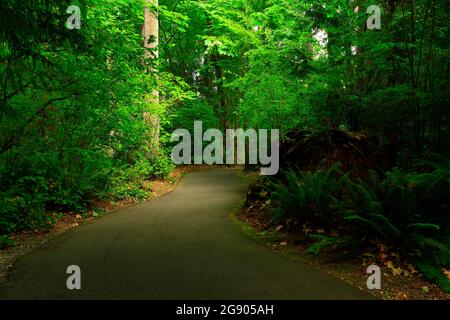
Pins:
x,y
161,166
326,242
6,241
22,212
396,211
408,210
130,191
309,196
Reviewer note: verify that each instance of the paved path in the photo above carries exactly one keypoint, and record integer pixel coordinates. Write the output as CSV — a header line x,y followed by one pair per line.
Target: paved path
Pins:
x,y
180,246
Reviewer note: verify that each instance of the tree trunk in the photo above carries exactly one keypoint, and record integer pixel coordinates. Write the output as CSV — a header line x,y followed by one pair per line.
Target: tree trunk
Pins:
x,y
151,42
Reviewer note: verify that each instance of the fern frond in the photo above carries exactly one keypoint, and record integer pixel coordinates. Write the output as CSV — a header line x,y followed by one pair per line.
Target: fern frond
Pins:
x,y
393,230
434,274
422,226
376,227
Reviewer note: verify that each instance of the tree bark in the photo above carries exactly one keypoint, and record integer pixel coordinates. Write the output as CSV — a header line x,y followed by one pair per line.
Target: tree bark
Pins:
x,y
151,41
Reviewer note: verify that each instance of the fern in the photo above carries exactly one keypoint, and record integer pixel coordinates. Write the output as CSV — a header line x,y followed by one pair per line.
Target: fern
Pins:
x,y
388,226
434,161
422,226
326,242
373,225
441,252
308,195
434,274
406,209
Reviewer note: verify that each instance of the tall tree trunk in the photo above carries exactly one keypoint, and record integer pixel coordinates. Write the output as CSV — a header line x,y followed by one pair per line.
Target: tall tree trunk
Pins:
x,y
151,42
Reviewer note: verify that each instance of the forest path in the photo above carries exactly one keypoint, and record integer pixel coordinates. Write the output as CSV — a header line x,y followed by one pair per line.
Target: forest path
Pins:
x,y
181,246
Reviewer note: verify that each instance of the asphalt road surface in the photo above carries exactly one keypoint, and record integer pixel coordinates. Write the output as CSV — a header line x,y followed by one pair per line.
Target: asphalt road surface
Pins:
x,y
181,246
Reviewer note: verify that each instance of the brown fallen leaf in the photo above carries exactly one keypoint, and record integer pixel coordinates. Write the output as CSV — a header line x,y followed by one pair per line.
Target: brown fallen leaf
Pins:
x,y
78,216
401,296
397,271
447,273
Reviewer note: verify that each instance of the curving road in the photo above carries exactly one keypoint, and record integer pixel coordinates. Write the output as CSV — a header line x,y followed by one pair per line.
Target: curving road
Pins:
x,y
180,246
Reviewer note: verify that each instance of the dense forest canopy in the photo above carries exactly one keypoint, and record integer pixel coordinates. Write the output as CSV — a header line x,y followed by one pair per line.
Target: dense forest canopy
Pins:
x,y
73,102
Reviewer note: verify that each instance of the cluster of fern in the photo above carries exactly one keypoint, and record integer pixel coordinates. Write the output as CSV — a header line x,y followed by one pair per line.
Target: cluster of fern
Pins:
x,y
406,209
309,195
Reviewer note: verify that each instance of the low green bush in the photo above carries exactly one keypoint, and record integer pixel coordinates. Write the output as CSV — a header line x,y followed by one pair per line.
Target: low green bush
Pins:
x,y
308,196
161,166
406,209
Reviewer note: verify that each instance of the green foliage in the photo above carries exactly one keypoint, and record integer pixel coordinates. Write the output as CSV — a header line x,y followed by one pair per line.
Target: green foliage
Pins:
x,y
72,104
434,274
72,107
21,212
309,195
408,210
323,242
127,182
6,241
195,110
161,166
403,203
130,191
